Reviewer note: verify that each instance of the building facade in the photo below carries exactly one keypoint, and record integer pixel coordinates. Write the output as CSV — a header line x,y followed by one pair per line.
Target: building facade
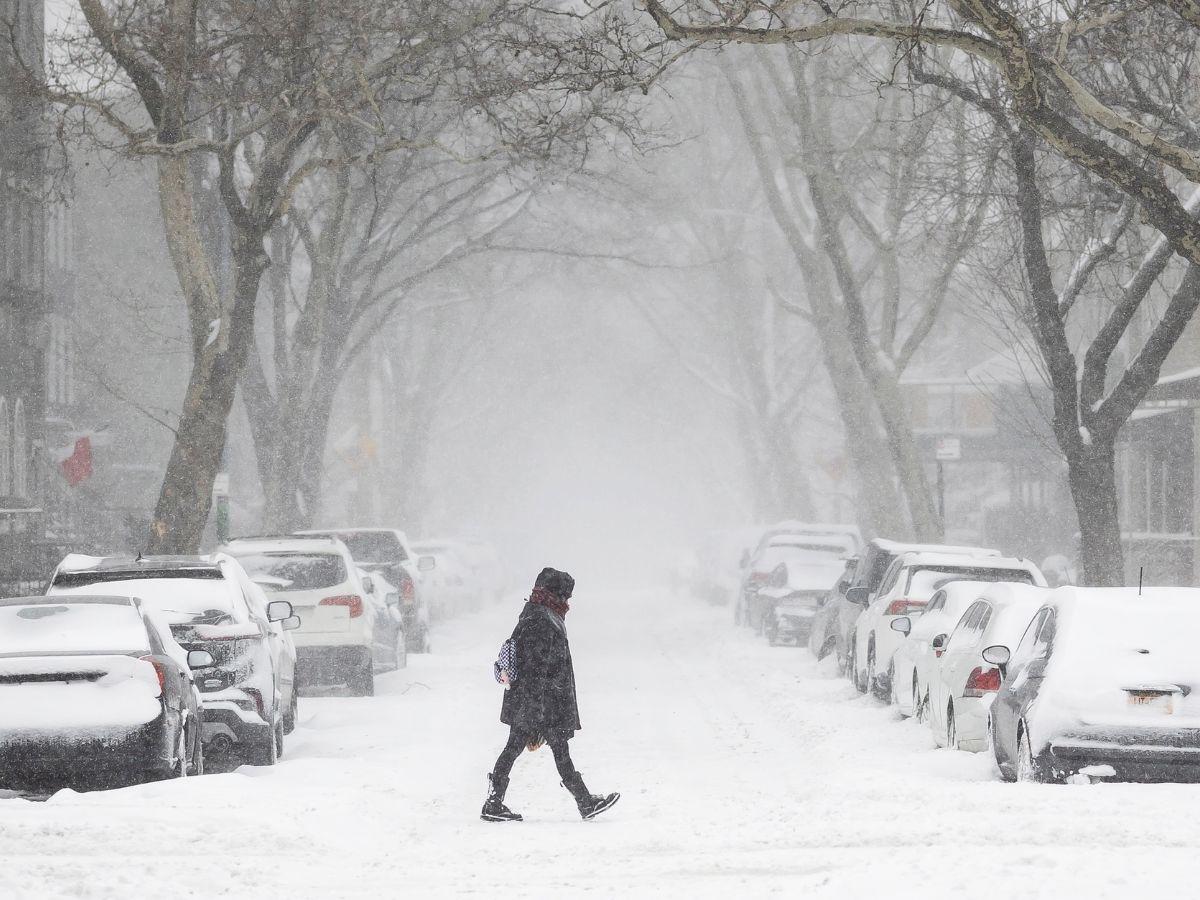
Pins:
x,y
23,549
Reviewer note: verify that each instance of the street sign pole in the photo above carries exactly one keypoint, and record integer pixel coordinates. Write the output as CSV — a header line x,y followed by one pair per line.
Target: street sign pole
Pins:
x,y
941,496
946,449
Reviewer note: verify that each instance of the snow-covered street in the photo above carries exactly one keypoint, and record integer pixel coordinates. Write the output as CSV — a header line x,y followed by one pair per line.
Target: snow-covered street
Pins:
x,y
744,770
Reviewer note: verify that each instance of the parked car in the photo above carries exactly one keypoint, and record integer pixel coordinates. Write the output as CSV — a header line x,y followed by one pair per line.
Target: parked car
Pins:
x,y
386,550
452,585
210,604
1102,684
822,637
390,649
848,537
910,581
794,594
95,685
964,683
335,643
873,564
820,554
915,659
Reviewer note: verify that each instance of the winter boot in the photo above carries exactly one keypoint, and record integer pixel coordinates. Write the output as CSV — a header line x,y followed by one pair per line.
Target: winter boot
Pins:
x,y
494,809
590,805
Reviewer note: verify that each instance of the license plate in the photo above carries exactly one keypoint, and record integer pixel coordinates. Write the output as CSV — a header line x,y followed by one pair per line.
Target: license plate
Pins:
x,y
1152,701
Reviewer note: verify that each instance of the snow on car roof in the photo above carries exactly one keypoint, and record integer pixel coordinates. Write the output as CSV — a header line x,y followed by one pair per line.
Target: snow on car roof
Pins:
x,y
964,561
307,544
898,547
61,626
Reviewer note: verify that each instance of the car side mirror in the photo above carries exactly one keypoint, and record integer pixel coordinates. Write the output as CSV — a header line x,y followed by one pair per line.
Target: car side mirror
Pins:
x,y
426,563
278,610
859,595
368,584
291,623
938,644
997,655
200,659
902,624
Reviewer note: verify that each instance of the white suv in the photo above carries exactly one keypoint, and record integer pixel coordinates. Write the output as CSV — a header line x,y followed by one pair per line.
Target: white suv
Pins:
x,y
336,637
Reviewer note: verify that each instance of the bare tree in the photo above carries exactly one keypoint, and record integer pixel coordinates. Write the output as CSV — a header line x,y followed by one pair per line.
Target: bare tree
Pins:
x,y
239,92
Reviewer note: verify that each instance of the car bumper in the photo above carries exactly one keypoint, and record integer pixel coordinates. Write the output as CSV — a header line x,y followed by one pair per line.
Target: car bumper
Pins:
x,y
225,721
139,748
971,722
1171,757
331,664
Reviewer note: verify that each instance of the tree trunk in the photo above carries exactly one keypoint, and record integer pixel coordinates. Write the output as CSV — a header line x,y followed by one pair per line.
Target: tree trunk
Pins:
x,y
1091,474
220,343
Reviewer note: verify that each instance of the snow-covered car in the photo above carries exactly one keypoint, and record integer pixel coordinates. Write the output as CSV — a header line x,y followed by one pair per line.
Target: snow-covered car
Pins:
x,y
794,594
335,641
873,564
822,636
817,552
452,585
911,580
93,686
209,603
915,658
391,649
964,683
1102,684
386,550
848,537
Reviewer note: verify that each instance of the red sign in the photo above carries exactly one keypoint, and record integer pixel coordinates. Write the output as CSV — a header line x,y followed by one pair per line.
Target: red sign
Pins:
x,y
77,468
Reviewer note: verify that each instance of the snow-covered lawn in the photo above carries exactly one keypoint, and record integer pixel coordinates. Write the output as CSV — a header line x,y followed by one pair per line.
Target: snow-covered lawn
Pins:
x,y
745,771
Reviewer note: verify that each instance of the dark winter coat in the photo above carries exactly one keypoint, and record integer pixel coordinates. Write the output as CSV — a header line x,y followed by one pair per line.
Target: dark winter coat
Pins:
x,y
542,698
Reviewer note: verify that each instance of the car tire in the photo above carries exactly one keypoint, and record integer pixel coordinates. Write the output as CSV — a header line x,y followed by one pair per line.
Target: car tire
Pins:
x,y
363,684
266,753
1029,767
917,705
892,697
951,728
852,665
196,764
870,685
292,713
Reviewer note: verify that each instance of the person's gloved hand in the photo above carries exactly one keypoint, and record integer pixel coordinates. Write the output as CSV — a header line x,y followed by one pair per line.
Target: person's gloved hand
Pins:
x,y
536,743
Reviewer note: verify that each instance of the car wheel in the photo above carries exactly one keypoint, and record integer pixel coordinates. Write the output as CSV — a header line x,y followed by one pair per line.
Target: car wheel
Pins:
x,y
951,728
266,753
363,684
852,665
893,698
870,686
917,705
1029,767
401,650
196,763
293,710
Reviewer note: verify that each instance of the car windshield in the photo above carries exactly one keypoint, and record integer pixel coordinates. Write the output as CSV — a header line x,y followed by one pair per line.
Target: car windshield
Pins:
x,y
295,571
367,547
925,581
814,554
66,628
191,601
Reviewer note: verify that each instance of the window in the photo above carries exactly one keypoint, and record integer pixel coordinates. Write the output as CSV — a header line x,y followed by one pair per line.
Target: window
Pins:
x,y
889,580
1025,651
937,603
20,452
1045,636
968,630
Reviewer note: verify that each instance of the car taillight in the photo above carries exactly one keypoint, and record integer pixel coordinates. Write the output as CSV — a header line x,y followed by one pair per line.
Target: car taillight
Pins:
x,y
904,606
351,601
159,671
758,577
982,681
408,590
258,702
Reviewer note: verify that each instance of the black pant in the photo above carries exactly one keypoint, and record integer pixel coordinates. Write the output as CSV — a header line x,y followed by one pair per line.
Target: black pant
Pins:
x,y
518,740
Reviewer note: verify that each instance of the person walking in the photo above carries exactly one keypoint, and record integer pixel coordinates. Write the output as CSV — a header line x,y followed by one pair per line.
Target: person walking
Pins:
x,y
539,700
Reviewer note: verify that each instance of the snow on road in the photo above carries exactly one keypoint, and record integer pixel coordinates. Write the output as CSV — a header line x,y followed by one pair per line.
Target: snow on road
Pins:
x,y
745,771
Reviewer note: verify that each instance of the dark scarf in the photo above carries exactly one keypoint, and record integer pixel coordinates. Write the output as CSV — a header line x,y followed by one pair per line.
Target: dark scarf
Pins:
x,y
551,601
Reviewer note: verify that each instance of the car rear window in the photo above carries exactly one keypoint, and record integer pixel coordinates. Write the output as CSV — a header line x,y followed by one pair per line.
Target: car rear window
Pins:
x,y
300,571
372,546
66,628
924,582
